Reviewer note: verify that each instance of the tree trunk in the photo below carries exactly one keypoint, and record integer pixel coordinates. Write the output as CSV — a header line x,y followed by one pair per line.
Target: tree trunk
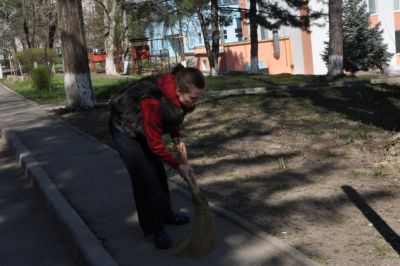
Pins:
x,y
26,24
204,31
253,36
110,36
335,67
77,82
215,38
181,46
52,29
125,56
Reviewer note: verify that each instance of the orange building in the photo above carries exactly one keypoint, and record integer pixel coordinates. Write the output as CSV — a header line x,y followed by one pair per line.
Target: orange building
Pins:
x,y
288,50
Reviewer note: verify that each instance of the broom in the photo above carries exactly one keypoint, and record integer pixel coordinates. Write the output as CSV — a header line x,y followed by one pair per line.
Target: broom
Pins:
x,y
200,239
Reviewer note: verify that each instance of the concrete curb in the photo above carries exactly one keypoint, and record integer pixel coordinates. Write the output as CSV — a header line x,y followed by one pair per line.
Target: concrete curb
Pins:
x,y
271,89
285,88
85,247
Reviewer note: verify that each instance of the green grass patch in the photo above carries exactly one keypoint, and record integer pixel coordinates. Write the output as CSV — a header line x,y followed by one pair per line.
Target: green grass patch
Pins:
x,y
355,173
380,172
56,96
359,132
281,163
326,154
383,250
104,87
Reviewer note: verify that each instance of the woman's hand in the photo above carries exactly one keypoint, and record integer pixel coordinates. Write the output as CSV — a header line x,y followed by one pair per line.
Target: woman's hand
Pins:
x,y
185,171
180,148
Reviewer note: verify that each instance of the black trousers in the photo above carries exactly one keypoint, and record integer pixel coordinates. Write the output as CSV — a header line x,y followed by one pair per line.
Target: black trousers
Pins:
x,y
149,180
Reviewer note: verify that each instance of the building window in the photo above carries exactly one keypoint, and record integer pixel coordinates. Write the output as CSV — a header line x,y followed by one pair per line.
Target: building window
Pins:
x,y
396,5
238,30
397,37
264,33
228,2
371,6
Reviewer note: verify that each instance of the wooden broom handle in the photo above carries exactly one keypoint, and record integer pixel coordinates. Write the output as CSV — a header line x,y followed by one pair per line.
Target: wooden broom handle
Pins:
x,y
192,179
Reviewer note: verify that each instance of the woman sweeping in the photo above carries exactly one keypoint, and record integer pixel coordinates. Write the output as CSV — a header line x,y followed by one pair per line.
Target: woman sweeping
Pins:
x,y
140,115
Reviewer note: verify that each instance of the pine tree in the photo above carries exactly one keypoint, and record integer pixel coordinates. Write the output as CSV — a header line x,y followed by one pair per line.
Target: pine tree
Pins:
x,y
363,46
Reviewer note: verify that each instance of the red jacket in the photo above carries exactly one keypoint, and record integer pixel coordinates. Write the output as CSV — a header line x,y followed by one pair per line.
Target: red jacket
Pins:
x,y
153,124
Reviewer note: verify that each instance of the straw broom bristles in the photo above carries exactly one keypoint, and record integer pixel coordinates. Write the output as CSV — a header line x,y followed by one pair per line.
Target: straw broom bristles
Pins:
x,y
200,239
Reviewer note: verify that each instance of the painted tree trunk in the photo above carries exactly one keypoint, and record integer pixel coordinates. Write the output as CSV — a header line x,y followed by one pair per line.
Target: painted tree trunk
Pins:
x,y
125,56
110,36
78,89
77,82
253,36
335,66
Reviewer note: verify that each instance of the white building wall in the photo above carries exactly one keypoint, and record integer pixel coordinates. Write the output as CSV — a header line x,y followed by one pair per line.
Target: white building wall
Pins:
x,y
385,11
296,42
297,47
319,35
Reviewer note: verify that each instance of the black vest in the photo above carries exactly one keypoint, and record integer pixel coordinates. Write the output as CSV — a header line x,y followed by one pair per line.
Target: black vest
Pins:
x,y
126,113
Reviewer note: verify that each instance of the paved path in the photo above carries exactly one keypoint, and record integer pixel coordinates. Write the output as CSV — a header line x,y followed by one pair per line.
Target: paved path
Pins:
x,y
27,237
95,183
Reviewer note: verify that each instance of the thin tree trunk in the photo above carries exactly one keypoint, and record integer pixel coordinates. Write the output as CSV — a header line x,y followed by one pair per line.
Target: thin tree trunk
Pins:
x,y
215,38
253,36
77,82
46,56
335,67
33,28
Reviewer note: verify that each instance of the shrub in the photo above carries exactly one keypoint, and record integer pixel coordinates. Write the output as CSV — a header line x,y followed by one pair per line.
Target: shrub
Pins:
x,y
27,58
40,78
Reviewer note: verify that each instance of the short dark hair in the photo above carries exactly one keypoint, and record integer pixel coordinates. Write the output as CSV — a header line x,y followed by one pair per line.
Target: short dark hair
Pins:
x,y
188,75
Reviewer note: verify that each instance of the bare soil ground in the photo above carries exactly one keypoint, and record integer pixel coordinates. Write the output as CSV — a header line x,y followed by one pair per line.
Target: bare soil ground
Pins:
x,y
317,169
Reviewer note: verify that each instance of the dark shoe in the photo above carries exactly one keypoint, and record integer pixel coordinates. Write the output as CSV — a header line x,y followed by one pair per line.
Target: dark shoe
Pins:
x,y
162,240
176,218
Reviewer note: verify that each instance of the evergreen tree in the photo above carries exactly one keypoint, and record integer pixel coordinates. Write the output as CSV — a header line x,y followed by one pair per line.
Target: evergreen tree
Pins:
x,y
363,47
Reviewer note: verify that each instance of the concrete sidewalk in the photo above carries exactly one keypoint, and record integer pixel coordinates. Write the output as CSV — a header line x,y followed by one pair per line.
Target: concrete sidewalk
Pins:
x,y
96,185
27,235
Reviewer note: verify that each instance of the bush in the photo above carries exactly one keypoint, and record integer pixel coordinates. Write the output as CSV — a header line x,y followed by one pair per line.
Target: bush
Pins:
x,y
27,58
40,79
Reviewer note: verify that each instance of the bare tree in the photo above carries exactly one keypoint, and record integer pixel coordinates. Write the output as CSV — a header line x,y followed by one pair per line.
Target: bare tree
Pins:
x,y
77,82
335,66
